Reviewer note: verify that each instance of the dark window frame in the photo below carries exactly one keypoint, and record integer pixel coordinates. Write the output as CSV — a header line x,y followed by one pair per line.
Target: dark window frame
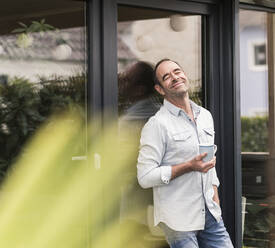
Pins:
x,y
246,6
251,6
220,70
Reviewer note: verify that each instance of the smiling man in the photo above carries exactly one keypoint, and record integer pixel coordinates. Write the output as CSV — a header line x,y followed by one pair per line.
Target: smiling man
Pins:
x,y
186,202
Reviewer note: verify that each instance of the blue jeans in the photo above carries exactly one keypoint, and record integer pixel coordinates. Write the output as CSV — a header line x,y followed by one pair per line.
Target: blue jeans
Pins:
x,y
214,235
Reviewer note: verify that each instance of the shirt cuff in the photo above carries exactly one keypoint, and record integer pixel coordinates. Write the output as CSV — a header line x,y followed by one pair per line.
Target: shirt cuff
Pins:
x,y
165,174
216,182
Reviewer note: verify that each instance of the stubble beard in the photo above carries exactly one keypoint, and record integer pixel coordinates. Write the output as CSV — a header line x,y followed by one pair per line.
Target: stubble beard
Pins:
x,y
176,95
182,92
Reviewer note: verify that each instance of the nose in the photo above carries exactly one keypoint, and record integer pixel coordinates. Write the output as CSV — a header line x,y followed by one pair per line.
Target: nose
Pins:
x,y
174,76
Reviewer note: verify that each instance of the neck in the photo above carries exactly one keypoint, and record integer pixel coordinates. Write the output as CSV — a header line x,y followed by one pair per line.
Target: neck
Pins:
x,y
182,102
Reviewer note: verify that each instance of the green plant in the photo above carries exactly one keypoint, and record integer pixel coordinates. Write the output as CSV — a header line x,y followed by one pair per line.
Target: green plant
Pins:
x,y
59,93
19,117
24,39
35,26
254,134
50,200
25,105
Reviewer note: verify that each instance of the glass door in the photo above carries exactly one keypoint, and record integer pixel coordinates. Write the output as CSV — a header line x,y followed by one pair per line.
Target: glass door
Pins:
x,y
145,36
257,117
42,73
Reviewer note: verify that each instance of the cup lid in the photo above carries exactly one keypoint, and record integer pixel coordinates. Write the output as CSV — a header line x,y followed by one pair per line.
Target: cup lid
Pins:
x,y
206,144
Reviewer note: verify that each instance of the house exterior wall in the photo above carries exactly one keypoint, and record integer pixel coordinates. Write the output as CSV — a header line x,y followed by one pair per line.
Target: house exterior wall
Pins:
x,y
255,79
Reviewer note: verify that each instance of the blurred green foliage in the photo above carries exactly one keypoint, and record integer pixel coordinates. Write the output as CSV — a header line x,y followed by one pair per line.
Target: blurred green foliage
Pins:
x,y
254,134
53,201
25,105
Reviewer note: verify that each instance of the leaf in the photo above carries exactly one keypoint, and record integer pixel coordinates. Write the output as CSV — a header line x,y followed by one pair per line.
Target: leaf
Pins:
x,y
36,23
18,30
43,21
48,26
22,24
34,27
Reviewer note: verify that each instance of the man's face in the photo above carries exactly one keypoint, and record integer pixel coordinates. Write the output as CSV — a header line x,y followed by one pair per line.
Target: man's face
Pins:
x,y
174,82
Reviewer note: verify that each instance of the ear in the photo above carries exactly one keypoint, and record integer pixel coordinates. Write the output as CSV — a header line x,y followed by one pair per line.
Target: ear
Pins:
x,y
159,89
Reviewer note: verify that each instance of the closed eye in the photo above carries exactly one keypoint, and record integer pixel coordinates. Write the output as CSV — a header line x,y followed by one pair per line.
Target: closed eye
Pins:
x,y
177,71
165,77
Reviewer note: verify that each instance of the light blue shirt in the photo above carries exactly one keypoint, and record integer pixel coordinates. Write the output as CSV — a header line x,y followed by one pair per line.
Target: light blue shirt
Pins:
x,y
170,137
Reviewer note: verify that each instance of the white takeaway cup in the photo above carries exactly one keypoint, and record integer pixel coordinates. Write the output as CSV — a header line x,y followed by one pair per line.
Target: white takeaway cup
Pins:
x,y
210,149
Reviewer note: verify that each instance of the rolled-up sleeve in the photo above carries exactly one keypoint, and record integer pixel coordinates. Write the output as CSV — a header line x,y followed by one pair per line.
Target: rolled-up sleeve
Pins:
x,y
150,173
215,179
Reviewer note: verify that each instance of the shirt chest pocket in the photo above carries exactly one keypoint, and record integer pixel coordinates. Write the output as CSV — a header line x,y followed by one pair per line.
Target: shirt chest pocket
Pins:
x,y
183,146
182,139
207,135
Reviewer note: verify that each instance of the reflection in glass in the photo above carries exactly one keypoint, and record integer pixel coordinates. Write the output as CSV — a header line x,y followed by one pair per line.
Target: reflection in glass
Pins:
x,y
43,70
260,54
145,37
257,116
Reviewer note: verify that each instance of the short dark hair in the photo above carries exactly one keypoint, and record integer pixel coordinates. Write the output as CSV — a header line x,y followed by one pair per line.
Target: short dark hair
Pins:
x,y
156,81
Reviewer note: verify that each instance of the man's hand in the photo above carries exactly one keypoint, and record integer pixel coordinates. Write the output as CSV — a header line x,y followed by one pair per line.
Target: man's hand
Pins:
x,y
197,164
216,195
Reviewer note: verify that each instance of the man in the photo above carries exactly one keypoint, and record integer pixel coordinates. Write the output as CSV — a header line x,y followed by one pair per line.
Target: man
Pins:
x,y
186,202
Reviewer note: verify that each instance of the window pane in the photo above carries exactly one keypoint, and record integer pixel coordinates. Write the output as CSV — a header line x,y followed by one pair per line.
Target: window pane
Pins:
x,y
42,72
151,35
257,117
146,36
42,51
254,81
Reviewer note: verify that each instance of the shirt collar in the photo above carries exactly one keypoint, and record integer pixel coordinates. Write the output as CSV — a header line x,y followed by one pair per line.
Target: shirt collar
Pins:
x,y
196,109
176,110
